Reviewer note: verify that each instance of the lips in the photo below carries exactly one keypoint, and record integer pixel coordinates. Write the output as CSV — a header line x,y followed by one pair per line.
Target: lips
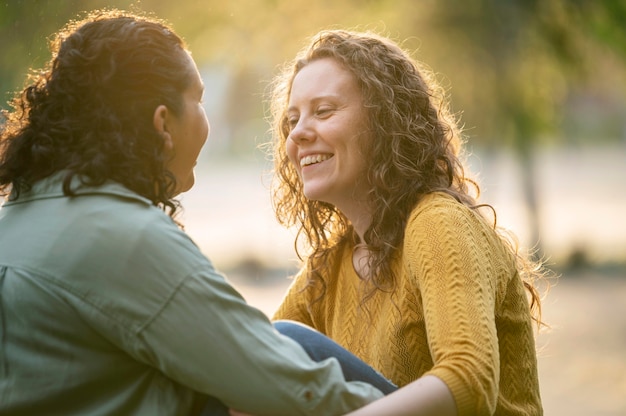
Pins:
x,y
313,159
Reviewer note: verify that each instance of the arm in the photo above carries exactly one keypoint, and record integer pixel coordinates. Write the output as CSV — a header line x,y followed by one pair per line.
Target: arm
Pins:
x,y
425,396
186,329
450,254
206,337
229,350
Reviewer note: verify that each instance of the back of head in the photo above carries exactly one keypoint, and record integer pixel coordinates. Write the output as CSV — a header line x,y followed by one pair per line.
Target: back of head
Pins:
x,y
90,111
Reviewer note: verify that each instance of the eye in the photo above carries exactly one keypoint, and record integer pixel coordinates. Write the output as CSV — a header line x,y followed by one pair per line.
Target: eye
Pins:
x,y
292,121
324,111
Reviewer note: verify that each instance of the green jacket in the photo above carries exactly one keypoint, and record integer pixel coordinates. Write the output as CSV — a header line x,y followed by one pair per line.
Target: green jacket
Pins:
x,y
108,308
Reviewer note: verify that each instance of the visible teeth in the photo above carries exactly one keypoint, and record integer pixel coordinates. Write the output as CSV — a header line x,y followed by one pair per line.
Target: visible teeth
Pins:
x,y
309,160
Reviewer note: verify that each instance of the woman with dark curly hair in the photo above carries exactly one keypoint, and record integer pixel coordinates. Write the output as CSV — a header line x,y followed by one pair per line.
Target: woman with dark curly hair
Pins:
x,y
106,306
404,268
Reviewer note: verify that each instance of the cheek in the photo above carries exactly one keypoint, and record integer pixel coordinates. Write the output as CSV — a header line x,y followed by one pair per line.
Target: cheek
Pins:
x,y
292,152
208,129
201,133
206,126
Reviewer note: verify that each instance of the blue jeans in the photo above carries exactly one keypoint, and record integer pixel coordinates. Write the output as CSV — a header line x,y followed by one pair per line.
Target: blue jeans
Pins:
x,y
319,347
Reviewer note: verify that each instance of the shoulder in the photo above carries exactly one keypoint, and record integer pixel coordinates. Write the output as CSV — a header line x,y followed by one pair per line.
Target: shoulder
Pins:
x,y
439,219
127,226
442,228
440,209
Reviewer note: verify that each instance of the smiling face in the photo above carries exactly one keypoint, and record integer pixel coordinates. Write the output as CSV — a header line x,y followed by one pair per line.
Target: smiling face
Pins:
x,y
328,130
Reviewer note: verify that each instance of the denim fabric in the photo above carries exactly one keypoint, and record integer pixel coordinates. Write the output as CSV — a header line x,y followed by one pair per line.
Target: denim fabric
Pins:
x,y
320,347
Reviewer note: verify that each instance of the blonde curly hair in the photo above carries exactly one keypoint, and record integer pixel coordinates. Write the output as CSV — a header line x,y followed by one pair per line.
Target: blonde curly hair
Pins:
x,y
416,149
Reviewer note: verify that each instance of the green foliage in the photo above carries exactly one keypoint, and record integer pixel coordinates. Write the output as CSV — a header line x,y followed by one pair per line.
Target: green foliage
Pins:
x,y
25,30
518,71
511,66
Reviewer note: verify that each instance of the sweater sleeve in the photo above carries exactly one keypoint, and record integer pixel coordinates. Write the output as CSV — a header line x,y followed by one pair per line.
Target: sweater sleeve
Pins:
x,y
449,253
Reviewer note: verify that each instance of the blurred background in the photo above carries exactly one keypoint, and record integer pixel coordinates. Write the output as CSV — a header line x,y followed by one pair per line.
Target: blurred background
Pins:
x,y
539,85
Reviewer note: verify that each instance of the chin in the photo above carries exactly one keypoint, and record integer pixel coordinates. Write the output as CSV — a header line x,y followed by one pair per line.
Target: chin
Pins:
x,y
187,187
314,196
184,186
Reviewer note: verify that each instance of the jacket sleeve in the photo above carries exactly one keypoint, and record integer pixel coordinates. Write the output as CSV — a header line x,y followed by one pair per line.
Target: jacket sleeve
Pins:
x,y
209,339
206,337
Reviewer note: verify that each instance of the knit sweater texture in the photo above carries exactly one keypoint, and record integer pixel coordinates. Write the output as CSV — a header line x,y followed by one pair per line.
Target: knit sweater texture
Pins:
x,y
459,311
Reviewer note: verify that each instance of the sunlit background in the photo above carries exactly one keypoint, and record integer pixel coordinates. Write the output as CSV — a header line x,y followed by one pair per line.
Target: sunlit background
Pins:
x,y
541,90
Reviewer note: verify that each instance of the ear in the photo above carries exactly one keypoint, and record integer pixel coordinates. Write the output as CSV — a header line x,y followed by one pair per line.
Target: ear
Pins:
x,y
159,119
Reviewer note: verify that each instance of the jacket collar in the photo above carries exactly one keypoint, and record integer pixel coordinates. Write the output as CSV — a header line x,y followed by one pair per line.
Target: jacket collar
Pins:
x,y
52,187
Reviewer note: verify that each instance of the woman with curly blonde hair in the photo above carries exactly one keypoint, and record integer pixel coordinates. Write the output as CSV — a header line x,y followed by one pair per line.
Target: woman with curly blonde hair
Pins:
x,y
403,266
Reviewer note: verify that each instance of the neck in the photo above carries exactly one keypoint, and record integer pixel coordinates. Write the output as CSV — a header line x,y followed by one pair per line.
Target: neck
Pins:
x,y
360,221
359,215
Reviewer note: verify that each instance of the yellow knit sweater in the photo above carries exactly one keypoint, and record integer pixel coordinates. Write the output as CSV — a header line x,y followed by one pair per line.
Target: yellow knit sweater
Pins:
x,y
459,312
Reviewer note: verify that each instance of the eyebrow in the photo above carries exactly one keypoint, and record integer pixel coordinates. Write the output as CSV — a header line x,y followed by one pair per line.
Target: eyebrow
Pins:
x,y
317,99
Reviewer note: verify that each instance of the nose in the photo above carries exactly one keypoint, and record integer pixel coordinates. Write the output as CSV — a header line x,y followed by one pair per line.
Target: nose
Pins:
x,y
301,132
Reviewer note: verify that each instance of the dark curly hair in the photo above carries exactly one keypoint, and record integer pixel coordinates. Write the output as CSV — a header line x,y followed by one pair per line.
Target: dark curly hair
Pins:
x,y
89,112
416,150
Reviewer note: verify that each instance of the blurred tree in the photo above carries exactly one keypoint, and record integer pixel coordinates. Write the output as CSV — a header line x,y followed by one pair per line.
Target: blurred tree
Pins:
x,y
25,29
605,22
514,61
512,64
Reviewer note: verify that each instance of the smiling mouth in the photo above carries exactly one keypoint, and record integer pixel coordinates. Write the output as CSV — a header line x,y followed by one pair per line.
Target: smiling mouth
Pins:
x,y
313,159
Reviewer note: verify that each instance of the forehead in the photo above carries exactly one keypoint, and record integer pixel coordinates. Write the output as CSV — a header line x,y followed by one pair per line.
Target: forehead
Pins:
x,y
192,72
322,77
